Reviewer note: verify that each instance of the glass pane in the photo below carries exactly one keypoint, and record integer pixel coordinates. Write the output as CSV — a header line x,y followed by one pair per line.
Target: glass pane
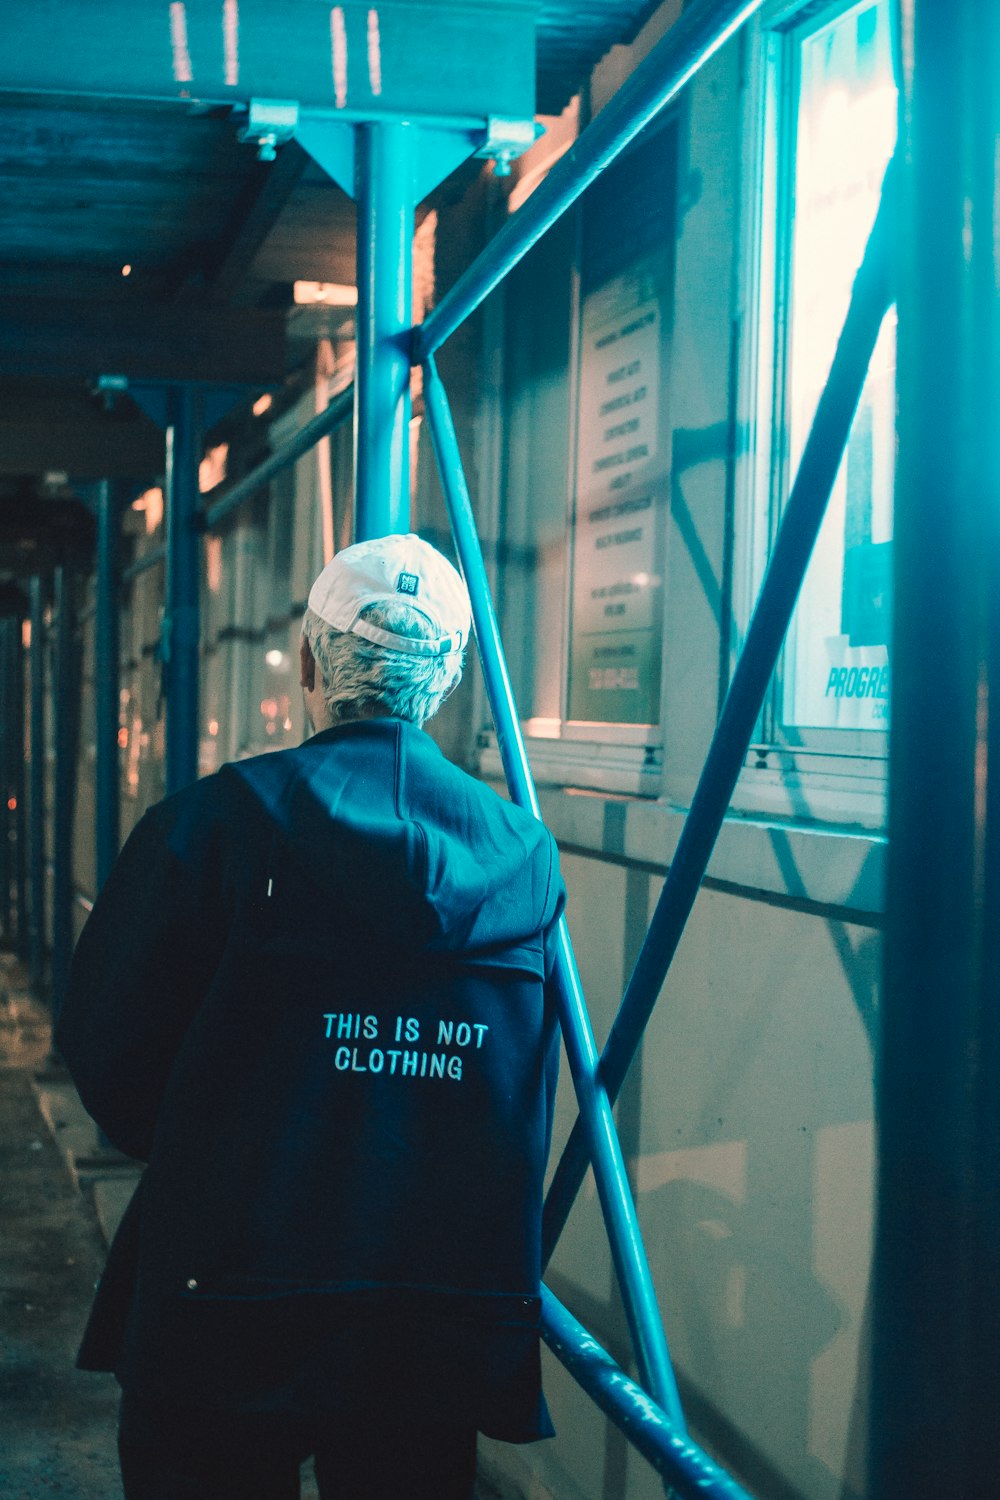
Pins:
x,y
623,438
836,666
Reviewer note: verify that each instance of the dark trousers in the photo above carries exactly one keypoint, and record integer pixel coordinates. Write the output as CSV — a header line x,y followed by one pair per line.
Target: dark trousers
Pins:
x,y
173,1452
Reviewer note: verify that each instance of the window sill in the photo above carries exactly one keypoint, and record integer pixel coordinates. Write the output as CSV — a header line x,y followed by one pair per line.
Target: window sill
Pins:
x,y
629,768
827,868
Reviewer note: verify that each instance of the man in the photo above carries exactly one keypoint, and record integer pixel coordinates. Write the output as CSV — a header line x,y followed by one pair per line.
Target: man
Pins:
x,y
312,996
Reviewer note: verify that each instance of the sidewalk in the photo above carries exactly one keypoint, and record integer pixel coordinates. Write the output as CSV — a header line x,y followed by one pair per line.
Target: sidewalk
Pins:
x,y
57,1426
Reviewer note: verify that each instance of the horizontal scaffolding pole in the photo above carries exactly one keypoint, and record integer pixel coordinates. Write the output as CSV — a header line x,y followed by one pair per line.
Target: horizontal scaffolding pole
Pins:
x,y
142,564
624,1236
690,1473
339,411
699,33
821,459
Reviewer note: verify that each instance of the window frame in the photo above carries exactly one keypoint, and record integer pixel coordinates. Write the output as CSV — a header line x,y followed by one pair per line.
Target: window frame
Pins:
x,y
838,776
590,755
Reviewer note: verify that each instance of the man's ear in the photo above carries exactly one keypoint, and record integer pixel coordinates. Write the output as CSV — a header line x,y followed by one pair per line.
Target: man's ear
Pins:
x,y
307,666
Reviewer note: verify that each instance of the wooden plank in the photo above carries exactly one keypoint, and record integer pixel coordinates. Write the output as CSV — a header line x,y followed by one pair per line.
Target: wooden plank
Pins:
x,y
143,341
461,58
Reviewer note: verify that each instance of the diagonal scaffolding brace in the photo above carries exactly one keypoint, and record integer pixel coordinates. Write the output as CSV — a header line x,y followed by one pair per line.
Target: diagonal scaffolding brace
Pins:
x,y
628,1252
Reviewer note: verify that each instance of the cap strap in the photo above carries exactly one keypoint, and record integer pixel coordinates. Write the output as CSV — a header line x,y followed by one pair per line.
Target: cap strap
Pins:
x,y
413,645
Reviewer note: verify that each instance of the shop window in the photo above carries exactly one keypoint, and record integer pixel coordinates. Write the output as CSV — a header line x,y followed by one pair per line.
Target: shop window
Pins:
x,y
829,129
584,475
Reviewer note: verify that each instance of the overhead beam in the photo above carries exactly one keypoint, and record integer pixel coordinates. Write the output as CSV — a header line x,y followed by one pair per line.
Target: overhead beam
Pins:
x,y
257,212
82,449
401,57
143,341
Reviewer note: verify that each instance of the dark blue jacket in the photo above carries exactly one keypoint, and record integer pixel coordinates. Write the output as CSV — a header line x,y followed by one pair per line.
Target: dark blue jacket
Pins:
x,y
311,995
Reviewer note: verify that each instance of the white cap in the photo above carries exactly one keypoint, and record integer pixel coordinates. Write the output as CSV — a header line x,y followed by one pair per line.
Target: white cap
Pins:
x,y
386,570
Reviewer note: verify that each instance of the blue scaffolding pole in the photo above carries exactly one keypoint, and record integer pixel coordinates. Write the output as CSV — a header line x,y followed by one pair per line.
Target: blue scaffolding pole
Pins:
x,y
106,674
181,614
36,785
65,698
935,1387
628,1252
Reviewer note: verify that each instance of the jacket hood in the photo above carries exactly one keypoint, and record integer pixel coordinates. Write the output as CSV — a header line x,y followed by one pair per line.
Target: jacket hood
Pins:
x,y
370,819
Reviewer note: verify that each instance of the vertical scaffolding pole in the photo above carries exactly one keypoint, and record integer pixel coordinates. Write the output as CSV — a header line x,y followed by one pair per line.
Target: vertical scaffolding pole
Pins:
x,y
6,763
936,1296
181,624
19,778
65,695
106,651
385,156
36,832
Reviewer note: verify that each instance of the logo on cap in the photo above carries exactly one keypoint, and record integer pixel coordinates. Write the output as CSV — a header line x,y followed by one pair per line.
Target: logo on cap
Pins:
x,y
408,583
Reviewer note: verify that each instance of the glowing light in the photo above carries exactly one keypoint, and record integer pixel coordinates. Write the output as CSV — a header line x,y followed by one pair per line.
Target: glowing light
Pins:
x,y
150,502
338,37
231,40
123,739
288,723
269,708
374,54
11,804
213,727
329,293
262,404
213,563
179,42
126,269
213,467
275,659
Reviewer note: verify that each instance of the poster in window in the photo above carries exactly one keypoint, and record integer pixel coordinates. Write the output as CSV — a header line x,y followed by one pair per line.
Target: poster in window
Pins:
x,y
622,443
836,667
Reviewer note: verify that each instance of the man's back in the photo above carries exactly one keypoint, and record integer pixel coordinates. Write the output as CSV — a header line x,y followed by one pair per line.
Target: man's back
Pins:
x,y
340,1065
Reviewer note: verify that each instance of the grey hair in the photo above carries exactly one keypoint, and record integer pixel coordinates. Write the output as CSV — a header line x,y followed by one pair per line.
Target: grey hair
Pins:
x,y
360,678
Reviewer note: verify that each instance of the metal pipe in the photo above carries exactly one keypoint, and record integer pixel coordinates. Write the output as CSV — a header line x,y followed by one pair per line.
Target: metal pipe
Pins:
x,y
150,560
65,698
690,1473
106,685
821,458
340,410
627,1249
699,33
36,832
6,765
384,188
19,778
181,624
936,1281
80,898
